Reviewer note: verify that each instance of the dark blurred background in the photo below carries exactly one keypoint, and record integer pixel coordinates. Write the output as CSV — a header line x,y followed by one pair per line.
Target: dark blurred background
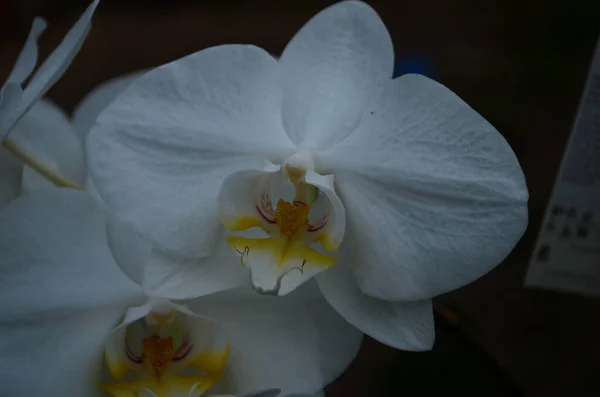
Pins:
x,y
521,63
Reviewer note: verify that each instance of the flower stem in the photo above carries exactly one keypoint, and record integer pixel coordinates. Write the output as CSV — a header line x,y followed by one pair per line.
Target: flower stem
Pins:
x,y
38,166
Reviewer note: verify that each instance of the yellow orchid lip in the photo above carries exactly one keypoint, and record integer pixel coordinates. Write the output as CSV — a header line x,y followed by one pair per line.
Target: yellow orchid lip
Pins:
x,y
181,353
271,259
298,223
161,364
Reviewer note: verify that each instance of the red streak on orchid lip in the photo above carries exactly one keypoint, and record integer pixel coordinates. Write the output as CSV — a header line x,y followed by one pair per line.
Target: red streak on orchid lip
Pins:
x,y
316,228
318,225
185,348
271,221
131,355
183,355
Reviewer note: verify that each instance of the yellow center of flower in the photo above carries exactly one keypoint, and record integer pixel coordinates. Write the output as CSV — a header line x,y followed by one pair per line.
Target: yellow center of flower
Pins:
x,y
168,364
159,352
291,218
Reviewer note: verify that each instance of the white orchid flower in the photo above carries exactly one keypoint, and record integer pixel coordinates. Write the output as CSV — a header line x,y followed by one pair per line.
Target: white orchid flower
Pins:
x,y
34,131
67,306
411,190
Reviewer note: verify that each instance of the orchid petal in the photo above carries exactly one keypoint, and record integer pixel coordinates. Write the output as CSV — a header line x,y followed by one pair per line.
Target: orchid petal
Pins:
x,y
401,325
171,276
10,98
55,256
12,92
61,294
332,67
27,59
90,107
434,194
58,354
58,61
174,135
130,251
313,348
46,133
11,170
90,189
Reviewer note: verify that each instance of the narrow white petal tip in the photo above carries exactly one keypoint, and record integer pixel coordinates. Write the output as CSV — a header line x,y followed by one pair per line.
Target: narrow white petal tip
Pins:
x,y
89,12
38,26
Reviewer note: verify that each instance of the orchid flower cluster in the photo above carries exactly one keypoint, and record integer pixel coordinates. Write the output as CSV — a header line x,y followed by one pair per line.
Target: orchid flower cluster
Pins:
x,y
232,222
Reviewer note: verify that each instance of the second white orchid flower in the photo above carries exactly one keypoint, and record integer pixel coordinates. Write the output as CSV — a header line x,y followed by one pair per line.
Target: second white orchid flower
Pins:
x,y
314,159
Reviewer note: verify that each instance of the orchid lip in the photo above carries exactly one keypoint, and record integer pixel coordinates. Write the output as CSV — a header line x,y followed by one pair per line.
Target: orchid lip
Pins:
x,y
319,224
181,353
271,221
265,211
138,359
295,221
184,349
274,291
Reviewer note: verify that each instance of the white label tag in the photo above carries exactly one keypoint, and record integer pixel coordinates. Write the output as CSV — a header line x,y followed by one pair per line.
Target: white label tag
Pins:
x,y
567,252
